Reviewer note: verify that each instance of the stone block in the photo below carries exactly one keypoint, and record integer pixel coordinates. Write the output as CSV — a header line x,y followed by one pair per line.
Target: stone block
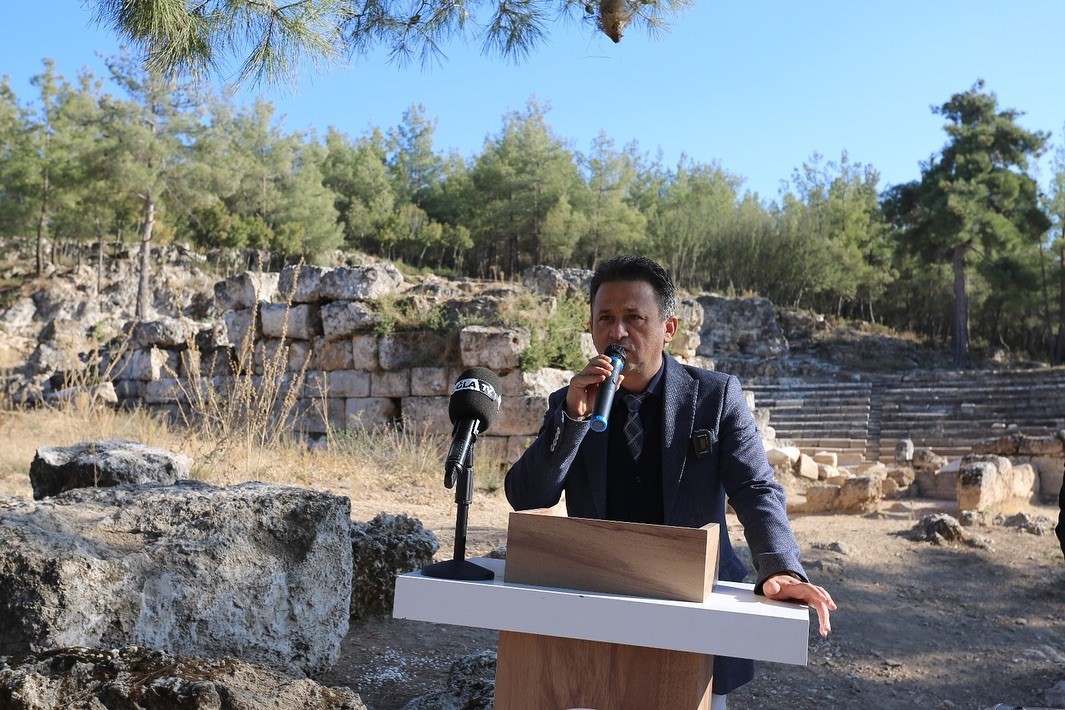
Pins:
x,y
430,382
1039,446
342,319
360,283
859,494
390,384
426,415
825,472
538,383
163,332
493,347
927,460
318,416
255,571
348,383
89,464
148,364
299,283
163,391
382,548
332,355
398,351
299,355
520,416
298,322
821,498
904,451
940,485
245,290
369,412
806,468
64,678
826,457
364,349
240,326
987,482
784,456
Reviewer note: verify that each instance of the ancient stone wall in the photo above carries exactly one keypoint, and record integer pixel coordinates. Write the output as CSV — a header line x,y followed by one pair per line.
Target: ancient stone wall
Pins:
x,y
318,329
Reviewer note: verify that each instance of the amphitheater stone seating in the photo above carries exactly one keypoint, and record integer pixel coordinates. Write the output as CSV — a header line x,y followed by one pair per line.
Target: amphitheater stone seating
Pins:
x,y
862,418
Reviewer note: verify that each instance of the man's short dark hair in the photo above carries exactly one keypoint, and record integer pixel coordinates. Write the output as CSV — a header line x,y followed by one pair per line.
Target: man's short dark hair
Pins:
x,y
637,268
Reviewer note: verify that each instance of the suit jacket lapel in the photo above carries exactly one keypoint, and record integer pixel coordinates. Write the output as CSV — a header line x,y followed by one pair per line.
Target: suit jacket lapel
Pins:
x,y
678,421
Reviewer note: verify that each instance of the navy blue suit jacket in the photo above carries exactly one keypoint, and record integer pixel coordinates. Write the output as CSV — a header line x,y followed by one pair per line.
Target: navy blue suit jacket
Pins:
x,y
568,456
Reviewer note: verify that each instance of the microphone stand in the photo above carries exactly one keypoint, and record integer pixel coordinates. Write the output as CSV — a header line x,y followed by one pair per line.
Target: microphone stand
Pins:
x,y
459,567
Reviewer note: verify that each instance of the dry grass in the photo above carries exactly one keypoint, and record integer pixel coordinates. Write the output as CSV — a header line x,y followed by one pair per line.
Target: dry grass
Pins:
x,y
376,465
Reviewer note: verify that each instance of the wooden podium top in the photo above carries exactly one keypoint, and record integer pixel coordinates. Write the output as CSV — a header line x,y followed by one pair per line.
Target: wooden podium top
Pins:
x,y
732,621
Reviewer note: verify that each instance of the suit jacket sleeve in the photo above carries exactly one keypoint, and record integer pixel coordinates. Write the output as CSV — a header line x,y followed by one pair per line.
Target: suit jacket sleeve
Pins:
x,y
539,476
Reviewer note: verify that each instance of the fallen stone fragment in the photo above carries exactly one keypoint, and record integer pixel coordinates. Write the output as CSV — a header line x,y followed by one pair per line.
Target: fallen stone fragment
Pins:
x,y
96,464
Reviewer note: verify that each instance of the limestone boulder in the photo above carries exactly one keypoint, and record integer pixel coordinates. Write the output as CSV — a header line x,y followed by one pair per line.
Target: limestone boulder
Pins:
x,y
360,283
539,383
164,332
986,481
1039,446
822,498
740,326
57,469
860,494
241,328
939,528
258,572
122,679
806,468
927,460
342,319
549,281
299,283
396,351
493,347
904,451
301,321
245,290
386,546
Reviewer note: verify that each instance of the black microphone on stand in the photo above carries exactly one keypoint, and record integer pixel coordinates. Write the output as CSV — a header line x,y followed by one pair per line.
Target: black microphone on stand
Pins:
x,y
604,396
474,404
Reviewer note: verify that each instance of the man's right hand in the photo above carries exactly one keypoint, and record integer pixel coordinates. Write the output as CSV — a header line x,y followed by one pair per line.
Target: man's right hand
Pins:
x,y
580,399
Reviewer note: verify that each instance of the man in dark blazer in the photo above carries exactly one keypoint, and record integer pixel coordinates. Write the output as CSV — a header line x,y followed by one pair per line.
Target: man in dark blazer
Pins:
x,y
681,442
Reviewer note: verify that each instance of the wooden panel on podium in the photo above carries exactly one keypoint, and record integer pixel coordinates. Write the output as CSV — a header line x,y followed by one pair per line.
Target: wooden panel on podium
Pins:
x,y
657,561
550,673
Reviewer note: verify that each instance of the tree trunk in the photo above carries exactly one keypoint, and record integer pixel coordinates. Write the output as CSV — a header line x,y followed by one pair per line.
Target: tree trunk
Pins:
x,y
42,218
146,249
1060,353
961,305
99,259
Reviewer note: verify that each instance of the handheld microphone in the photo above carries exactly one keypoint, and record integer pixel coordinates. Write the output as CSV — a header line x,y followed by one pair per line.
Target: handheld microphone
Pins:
x,y
604,397
473,407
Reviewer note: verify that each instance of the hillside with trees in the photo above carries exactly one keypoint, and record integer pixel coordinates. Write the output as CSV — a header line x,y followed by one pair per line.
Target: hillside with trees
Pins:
x,y
970,252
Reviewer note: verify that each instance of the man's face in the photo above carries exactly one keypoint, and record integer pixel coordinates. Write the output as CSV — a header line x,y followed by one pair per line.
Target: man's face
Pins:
x,y
627,313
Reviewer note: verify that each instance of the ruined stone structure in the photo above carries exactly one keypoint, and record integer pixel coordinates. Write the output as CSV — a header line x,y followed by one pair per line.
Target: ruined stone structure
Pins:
x,y
863,418
323,326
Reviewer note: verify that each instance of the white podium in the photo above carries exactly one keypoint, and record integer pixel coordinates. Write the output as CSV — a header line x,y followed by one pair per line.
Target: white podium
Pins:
x,y
573,648
734,621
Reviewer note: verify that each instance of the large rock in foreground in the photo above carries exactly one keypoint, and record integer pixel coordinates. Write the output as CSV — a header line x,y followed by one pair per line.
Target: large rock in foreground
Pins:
x,y
135,678
57,469
258,572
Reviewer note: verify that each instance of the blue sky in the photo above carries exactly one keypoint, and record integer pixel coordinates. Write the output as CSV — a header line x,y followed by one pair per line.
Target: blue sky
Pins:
x,y
756,85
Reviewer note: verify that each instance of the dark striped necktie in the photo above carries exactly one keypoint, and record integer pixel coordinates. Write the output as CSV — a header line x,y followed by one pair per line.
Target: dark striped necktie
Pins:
x,y
633,425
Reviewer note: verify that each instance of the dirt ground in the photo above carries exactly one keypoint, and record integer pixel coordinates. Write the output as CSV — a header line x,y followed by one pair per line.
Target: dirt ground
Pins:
x,y
918,625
